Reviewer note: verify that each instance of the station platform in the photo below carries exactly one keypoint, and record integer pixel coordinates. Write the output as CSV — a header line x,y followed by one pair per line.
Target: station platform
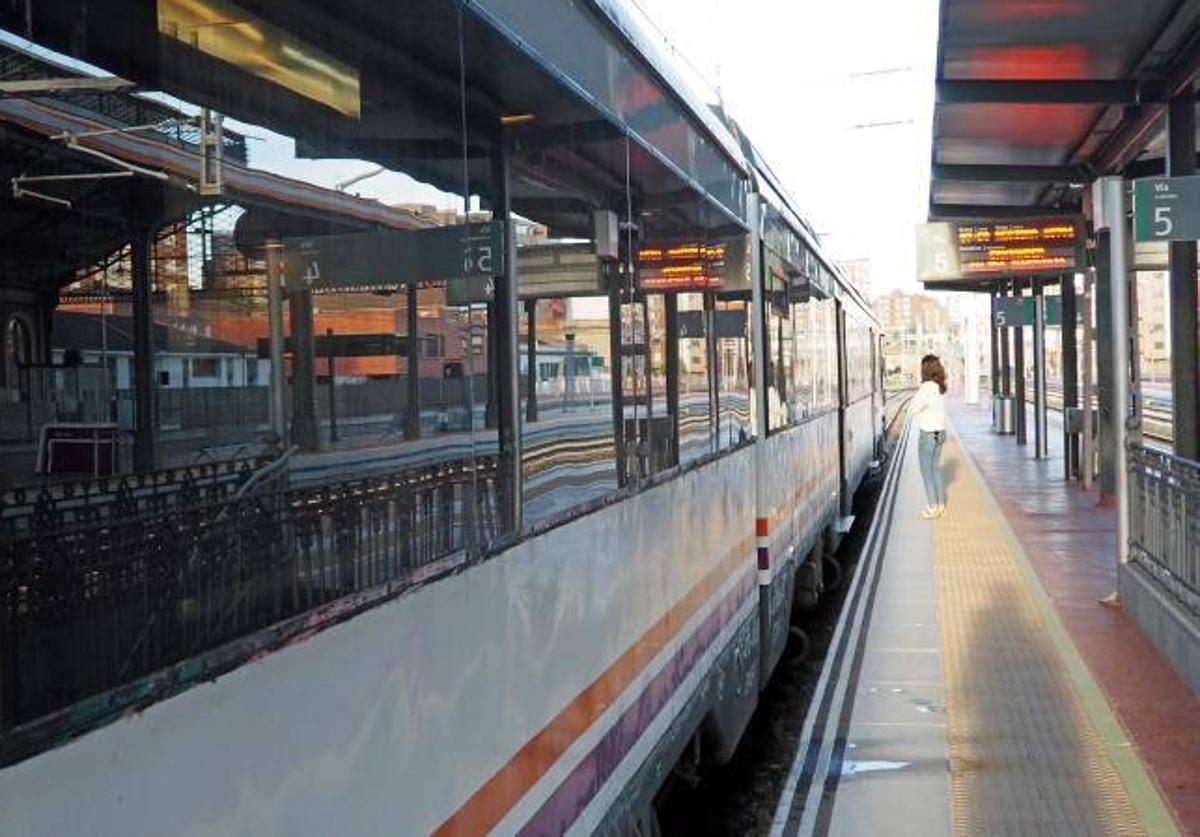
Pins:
x,y
976,684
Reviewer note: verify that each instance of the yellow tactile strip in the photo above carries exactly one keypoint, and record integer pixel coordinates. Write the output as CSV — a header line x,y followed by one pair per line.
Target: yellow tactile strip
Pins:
x,y
1024,756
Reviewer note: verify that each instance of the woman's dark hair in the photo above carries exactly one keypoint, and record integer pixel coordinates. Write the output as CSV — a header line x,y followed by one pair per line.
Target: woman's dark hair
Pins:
x,y
931,370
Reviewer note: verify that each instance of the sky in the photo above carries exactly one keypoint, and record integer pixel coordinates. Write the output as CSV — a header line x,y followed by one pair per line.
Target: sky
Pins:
x,y
838,97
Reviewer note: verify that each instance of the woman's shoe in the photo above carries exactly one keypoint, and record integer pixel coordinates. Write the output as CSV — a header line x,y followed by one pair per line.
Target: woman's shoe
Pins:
x,y
939,511
929,513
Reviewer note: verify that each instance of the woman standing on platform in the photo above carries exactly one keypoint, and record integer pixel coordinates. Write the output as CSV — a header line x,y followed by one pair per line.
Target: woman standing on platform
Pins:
x,y
929,407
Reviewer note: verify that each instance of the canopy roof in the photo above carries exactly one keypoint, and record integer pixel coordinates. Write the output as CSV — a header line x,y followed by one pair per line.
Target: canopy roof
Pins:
x,y
1035,98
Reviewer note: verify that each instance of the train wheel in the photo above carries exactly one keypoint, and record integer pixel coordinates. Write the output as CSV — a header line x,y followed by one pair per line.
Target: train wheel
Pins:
x,y
833,572
799,644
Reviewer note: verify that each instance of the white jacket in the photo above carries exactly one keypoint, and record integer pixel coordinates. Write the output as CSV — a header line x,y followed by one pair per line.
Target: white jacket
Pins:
x,y
929,407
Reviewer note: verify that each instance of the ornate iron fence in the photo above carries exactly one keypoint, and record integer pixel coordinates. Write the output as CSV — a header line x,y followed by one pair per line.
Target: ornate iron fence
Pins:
x,y
101,587
1164,521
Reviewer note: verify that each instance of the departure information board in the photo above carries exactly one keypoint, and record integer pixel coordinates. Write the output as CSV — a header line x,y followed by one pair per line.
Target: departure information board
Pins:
x,y
966,250
694,266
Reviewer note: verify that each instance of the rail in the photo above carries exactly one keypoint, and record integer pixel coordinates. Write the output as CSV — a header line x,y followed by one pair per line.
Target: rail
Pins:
x,y
1164,521
95,596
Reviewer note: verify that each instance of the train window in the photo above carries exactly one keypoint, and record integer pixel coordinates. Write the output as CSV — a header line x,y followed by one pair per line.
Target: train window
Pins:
x,y
695,384
734,373
779,355
823,353
804,371
568,448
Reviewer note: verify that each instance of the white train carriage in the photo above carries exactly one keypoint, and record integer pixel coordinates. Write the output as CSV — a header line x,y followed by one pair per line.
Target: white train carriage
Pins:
x,y
514,620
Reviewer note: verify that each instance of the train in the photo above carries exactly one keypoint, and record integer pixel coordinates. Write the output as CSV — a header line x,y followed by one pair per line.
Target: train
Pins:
x,y
221,649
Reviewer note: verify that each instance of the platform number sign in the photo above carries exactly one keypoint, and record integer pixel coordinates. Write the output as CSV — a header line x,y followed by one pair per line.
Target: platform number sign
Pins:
x,y
1166,208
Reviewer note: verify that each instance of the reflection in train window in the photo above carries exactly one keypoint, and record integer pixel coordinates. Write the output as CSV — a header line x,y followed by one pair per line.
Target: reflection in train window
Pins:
x,y
735,391
568,449
695,385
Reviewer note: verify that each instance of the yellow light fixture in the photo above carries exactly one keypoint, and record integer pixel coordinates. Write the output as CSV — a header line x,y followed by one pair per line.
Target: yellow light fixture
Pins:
x,y
221,29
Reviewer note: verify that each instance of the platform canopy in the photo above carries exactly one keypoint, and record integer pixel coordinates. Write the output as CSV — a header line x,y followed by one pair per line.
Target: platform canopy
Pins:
x,y
1037,99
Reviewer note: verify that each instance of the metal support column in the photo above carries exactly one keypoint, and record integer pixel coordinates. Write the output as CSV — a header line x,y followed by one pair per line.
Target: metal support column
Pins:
x,y
996,336
1104,369
505,321
1087,455
1185,325
1118,302
671,304
714,371
1041,447
1019,373
412,415
616,352
304,374
531,398
1005,354
144,442
275,341
331,372
1070,374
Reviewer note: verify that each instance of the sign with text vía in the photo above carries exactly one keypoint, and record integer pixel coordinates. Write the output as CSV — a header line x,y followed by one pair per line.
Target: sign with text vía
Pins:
x,y
997,249
467,257
1166,208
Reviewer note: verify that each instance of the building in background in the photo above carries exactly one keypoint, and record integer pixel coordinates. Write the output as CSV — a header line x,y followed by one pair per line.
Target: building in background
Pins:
x,y
914,325
1154,325
858,271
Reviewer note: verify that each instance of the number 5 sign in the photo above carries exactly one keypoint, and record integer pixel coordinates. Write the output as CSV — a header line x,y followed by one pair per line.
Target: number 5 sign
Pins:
x,y
1166,208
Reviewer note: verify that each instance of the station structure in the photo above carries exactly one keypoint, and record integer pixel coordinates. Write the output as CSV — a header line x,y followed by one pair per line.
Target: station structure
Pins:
x,y
324,512
1030,662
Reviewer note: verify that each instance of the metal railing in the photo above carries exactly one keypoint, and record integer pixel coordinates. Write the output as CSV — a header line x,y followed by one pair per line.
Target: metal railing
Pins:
x,y
1164,521
97,593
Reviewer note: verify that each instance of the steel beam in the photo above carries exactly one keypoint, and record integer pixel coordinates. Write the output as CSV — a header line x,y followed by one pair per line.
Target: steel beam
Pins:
x,y
1008,173
1061,92
939,211
1185,325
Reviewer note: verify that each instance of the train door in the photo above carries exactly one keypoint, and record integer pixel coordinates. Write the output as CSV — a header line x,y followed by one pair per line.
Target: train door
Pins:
x,y
843,403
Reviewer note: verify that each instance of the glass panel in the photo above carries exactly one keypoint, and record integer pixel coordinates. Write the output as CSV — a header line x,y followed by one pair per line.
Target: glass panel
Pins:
x,y
695,380
735,391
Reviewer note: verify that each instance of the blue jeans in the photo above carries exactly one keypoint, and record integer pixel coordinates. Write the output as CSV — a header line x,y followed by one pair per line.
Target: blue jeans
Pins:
x,y
929,452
